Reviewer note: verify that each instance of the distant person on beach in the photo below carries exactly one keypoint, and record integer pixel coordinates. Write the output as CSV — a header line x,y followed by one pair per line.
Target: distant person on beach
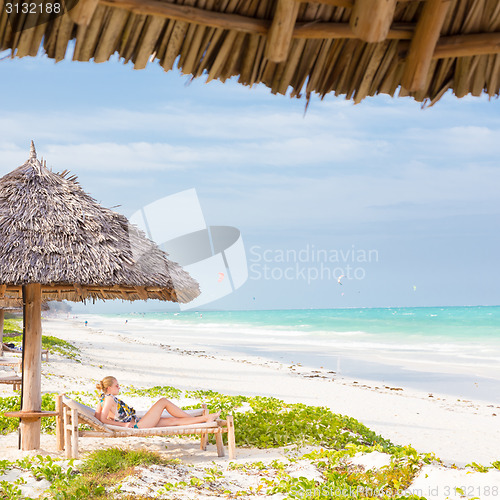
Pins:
x,y
113,411
86,322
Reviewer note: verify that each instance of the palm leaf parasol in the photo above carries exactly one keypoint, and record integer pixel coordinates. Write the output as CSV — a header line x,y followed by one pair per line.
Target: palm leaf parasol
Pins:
x,y
58,243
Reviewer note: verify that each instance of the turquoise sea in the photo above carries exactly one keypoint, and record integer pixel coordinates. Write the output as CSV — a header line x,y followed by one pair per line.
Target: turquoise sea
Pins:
x,y
452,350
444,322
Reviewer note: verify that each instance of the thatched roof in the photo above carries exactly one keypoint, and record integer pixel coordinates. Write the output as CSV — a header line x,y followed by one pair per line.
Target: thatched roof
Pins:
x,y
17,305
53,233
11,304
354,48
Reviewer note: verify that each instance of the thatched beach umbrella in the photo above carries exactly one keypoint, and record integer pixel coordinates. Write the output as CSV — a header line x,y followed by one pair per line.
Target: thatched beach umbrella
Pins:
x,y
56,243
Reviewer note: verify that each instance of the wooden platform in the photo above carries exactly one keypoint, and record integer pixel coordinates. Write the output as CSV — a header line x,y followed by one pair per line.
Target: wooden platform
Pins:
x,y
30,415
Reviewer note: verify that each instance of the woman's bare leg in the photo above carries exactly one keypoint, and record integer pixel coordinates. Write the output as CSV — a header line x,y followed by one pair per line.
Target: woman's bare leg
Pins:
x,y
174,410
168,421
153,417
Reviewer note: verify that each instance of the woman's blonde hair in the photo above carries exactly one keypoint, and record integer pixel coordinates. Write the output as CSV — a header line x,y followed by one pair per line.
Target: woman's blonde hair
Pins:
x,y
103,385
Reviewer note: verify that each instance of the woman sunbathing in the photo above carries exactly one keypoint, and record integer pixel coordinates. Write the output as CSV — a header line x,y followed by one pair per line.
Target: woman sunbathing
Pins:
x,y
113,411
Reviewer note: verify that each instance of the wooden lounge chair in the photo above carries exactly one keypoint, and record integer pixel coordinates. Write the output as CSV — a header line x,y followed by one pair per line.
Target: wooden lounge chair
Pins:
x,y
6,348
11,362
71,413
13,379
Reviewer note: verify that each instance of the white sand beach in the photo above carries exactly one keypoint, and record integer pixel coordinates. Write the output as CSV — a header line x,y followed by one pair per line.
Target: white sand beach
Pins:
x,y
458,431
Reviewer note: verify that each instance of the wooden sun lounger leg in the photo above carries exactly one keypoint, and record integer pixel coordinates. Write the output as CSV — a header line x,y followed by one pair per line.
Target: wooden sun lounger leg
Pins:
x,y
67,432
219,443
74,433
71,432
204,435
231,441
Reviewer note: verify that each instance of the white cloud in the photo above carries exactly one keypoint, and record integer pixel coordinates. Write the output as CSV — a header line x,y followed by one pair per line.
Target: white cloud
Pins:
x,y
136,156
452,144
104,156
418,192
332,134
380,160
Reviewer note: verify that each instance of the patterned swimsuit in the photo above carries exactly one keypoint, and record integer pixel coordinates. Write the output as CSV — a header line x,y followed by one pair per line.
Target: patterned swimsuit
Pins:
x,y
125,413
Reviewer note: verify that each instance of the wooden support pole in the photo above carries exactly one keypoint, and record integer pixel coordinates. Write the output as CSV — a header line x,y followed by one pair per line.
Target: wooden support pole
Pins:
x,y
371,19
423,45
83,11
281,32
32,365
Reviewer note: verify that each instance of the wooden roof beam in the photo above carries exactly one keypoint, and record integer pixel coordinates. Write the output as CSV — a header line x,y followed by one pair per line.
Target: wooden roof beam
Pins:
x,y
347,4
80,290
453,46
83,11
371,19
328,31
245,24
192,15
467,45
423,45
280,35
142,292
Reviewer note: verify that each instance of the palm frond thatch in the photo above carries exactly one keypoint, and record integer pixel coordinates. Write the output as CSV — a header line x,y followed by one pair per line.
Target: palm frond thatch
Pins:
x,y
355,48
55,234
16,305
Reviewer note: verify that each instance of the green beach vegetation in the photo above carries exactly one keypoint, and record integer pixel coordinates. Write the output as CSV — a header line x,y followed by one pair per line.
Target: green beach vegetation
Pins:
x,y
12,326
13,329
324,440
13,403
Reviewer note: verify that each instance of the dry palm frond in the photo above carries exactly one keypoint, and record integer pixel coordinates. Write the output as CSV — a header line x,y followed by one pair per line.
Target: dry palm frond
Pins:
x,y
323,49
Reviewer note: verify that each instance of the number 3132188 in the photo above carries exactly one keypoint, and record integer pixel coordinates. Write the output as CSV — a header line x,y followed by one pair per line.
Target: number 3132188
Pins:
x,y
33,8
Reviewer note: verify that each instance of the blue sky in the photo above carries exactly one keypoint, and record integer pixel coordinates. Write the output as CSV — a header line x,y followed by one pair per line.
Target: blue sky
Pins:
x,y
419,188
